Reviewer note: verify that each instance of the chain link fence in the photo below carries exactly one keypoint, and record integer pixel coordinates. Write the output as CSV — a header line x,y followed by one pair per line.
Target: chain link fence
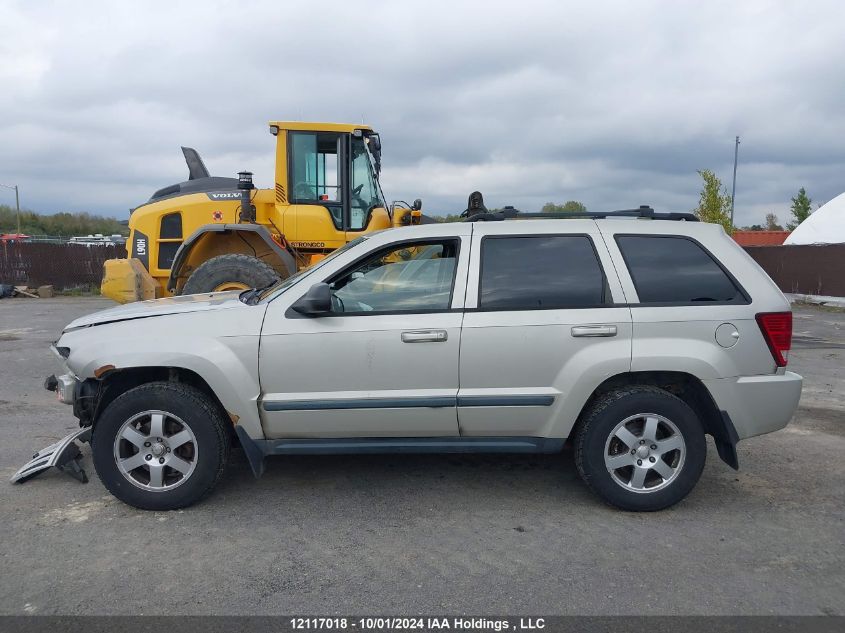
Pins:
x,y
64,266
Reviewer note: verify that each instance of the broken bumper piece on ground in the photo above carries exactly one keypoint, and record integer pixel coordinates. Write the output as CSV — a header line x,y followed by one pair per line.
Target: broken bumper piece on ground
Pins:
x,y
64,455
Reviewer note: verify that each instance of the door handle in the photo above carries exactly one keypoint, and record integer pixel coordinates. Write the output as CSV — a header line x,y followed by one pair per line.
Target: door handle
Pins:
x,y
594,330
425,336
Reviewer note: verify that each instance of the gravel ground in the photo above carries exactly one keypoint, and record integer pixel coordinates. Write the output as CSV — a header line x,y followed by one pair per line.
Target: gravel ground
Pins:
x,y
425,534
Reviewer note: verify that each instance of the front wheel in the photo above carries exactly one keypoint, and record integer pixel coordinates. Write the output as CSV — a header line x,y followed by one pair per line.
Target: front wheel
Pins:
x,y
160,446
640,448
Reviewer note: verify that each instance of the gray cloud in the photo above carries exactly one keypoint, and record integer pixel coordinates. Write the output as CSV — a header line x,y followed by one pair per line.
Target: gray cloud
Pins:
x,y
612,103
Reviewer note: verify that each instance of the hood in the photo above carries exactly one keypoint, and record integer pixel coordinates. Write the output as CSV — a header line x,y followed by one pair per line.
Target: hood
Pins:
x,y
161,307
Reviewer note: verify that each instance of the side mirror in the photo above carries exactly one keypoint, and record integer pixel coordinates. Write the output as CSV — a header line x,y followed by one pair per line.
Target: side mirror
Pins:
x,y
317,301
417,204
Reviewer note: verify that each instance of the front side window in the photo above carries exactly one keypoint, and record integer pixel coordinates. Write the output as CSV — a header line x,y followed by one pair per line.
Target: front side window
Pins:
x,y
365,192
540,272
405,278
677,270
315,177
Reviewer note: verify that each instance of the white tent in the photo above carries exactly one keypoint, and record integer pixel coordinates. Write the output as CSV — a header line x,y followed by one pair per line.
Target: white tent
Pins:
x,y
825,226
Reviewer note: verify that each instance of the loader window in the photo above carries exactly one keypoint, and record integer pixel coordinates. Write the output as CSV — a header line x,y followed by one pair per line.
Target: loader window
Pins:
x,y
169,239
366,194
315,175
171,226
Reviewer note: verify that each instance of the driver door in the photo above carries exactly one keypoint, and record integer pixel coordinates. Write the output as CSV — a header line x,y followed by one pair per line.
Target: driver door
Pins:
x,y
384,362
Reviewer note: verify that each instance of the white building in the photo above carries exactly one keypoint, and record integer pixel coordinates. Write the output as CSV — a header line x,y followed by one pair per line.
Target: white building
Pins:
x,y
825,226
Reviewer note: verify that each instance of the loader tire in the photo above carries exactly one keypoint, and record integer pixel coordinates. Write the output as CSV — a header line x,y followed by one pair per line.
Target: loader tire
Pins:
x,y
230,272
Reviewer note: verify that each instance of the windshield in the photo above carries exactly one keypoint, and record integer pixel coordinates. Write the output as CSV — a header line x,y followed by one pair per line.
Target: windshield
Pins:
x,y
279,287
365,190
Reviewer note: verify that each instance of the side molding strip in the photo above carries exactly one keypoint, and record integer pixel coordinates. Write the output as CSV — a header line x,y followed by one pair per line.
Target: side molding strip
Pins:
x,y
360,403
408,403
506,401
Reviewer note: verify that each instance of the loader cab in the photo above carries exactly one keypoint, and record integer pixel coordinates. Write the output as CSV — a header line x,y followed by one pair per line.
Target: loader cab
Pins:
x,y
327,183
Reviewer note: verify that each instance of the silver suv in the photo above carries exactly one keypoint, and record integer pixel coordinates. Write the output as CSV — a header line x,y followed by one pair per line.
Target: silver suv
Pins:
x,y
633,338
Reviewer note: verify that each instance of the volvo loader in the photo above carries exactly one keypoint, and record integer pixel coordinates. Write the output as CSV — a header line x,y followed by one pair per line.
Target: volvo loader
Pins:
x,y
213,233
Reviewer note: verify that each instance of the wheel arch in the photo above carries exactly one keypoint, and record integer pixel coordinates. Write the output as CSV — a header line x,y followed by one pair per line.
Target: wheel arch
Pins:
x,y
688,388
96,393
211,240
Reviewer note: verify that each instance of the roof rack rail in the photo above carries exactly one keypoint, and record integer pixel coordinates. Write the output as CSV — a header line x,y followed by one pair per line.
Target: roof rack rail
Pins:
x,y
643,211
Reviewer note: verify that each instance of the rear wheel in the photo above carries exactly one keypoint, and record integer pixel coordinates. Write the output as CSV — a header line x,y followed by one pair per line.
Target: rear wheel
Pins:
x,y
160,446
640,448
230,272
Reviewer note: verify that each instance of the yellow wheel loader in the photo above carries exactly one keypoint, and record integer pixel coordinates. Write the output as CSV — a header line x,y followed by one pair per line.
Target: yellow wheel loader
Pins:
x,y
212,233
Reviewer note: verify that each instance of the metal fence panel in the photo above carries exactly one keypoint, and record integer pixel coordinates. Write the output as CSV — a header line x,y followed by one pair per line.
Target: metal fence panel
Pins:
x,y
807,270
63,266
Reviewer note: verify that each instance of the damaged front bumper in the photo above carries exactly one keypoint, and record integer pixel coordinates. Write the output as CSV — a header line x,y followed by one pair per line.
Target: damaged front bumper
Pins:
x,y
64,455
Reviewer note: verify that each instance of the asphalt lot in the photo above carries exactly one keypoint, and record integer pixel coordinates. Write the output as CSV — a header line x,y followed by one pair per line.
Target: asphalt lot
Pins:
x,y
425,534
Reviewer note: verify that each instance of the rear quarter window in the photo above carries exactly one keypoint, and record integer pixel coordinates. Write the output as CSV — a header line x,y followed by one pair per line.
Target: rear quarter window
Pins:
x,y
677,270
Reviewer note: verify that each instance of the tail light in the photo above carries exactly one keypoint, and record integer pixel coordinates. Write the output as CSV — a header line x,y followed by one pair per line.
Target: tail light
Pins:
x,y
777,330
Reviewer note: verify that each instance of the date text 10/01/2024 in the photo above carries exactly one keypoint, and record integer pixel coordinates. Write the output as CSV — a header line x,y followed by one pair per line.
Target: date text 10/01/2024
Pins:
x,y
416,623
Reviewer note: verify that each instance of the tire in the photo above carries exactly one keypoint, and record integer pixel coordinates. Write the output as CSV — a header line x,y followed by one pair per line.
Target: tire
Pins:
x,y
229,272
192,450
638,419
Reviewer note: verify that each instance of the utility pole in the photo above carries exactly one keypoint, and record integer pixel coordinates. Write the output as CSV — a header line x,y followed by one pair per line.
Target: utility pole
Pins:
x,y
17,204
733,187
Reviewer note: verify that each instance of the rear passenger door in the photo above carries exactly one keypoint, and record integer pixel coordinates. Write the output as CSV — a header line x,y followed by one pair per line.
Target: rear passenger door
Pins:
x,y
545,322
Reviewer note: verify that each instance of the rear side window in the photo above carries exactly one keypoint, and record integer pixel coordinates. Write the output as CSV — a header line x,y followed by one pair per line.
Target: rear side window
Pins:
x,y
540,272
676,270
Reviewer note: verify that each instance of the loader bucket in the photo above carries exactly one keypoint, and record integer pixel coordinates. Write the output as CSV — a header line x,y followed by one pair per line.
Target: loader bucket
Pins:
x,y
126,280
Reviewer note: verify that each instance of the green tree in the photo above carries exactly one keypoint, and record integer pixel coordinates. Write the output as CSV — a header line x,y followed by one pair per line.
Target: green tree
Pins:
x,y
801,209
570,206
714,203
772,223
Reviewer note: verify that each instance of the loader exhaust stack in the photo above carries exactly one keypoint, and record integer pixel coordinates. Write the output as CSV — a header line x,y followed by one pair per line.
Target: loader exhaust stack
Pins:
x,y
245,186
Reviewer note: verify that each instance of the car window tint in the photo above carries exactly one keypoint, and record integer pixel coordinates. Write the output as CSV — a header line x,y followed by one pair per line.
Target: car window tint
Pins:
x,y
404,278
675,270
540,272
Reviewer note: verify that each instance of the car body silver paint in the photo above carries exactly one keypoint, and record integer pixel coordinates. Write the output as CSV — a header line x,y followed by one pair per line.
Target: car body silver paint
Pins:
x,y
527,355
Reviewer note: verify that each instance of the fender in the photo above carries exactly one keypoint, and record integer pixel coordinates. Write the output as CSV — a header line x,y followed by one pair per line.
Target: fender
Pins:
x,y
261,231
223,354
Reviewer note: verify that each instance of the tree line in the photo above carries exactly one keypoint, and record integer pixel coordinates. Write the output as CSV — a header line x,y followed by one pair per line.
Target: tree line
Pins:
x,y
59,224
714,205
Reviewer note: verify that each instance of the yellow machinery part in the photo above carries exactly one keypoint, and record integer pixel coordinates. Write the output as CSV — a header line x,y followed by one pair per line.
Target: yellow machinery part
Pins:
x,y
126,280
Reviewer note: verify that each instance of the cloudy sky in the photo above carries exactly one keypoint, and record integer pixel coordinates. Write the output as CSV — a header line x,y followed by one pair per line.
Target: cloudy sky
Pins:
x,y
611,103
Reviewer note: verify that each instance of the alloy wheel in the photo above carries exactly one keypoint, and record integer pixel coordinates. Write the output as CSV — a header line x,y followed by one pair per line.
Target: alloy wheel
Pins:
x,y
155,450
645,453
